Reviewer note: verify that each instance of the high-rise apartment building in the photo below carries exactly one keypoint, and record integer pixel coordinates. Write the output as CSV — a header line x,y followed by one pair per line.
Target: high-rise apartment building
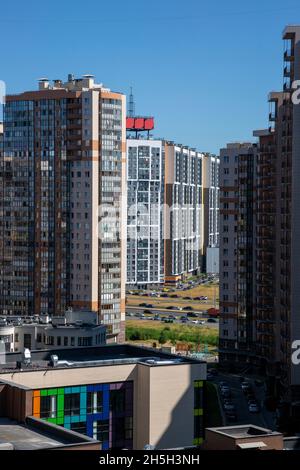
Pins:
x,y
271,246
183,212
237,181
165,215
211,200
145,198
63,158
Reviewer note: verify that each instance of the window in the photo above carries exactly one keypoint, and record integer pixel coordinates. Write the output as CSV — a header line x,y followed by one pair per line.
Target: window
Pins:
x,y
94,402
58,341
79,427
72,341
117,401
48,406
72,404
27,340
17,337
66,341
101,430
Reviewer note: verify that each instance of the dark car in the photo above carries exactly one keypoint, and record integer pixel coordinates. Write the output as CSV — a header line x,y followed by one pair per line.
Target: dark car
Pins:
x,y
164,295
187,298
197,298
231,416
168,320
171,307
149,306
174,296
187,308
147,311
192,314
211,320
143,305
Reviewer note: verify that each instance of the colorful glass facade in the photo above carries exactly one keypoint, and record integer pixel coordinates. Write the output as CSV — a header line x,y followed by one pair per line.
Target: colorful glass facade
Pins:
x,y
101,411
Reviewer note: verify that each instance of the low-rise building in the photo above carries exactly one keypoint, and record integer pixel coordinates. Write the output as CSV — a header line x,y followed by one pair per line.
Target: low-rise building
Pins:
x,y
123,396
74,329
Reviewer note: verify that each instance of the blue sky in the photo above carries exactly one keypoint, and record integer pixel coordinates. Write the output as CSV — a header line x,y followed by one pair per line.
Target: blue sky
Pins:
x,y
203,69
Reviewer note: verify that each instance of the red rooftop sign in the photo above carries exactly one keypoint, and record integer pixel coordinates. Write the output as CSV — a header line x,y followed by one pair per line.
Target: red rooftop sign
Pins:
x,y
139,123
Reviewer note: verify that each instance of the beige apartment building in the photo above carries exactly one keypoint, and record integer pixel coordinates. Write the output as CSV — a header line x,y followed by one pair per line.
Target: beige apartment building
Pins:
x,y
62,176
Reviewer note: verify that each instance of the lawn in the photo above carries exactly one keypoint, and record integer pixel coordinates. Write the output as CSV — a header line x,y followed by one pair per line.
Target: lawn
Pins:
x,y
162,333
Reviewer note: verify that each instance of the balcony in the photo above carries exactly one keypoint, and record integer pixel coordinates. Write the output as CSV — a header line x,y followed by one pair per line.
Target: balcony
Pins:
x,y
289,55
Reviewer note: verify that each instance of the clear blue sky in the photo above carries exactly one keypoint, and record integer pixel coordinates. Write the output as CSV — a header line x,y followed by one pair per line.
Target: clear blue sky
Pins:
x,y
202,68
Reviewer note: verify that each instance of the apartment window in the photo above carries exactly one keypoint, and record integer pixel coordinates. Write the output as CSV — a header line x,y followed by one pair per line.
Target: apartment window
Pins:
x,y
225,332
39,338
226,159
225,274
17,337
65,341
226,171
225,286
58,341
72,341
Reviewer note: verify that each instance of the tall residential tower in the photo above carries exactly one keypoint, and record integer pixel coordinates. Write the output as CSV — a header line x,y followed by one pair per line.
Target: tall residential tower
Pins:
x,y
63,162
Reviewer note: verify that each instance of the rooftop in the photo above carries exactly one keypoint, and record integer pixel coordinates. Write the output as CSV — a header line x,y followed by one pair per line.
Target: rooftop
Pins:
x,y
243,431
36,435
91,357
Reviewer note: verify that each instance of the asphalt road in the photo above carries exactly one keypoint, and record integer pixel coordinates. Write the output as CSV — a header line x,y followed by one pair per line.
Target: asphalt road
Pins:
x,y
264,418
165,312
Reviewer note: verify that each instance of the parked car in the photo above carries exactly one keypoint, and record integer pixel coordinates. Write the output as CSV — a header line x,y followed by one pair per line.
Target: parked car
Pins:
x,y
171,307
174,296
253,408
212,320
229,406
149,305
187,308
197,298
156,317
246,386
147,311
143,305
231,416
192,314
168,320
184,320
164,295
201,322
187,298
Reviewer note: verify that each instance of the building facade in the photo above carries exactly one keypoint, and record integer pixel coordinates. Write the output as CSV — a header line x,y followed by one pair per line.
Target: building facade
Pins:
x,y
123,396
211,201
183,212
165,225
237,187
63,158
145,198
271,264
73,329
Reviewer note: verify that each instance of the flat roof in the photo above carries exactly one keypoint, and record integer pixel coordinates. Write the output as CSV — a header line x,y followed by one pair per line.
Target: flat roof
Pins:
x,y
244,431
31,437
93,357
